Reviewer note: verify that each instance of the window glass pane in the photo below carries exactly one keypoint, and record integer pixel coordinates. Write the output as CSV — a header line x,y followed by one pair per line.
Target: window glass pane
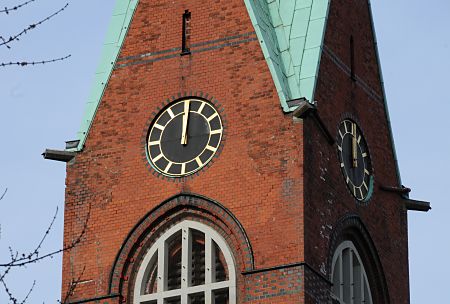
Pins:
x,y
198,258
221,269
151,273
198,298
221,296
174,262
174,300
357,275
367,297
336,278
346,273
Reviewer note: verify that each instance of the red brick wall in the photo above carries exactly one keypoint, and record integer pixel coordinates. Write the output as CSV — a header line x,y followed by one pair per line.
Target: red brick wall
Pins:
x,y
258,175
327,198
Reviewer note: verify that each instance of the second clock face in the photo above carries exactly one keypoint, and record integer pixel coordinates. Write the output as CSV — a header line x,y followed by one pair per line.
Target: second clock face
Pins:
x,y
184,137
355,160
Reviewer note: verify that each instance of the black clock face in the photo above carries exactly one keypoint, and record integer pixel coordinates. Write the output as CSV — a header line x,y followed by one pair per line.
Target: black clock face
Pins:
x,y
184,137
355,160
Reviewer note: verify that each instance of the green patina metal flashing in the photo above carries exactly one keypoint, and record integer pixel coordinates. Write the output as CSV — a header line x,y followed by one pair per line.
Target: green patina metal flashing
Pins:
x,y
291,34
120,21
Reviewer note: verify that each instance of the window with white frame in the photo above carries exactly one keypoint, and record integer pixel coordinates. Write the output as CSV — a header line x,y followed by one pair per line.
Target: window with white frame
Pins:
x,y
350,284
189,264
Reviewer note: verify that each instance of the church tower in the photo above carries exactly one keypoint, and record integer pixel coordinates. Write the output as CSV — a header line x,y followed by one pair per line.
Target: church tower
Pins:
x,y
235,152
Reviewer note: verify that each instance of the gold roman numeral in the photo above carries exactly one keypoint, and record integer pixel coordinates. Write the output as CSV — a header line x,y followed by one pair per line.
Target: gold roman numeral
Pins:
x,y
218,131
169,110
212,117
157,158
210,148
201,107
153,143
159,127
168,167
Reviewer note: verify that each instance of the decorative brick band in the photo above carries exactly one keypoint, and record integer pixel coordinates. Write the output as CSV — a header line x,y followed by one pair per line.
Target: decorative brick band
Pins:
x,y
195,48
160,219
361,83
351,227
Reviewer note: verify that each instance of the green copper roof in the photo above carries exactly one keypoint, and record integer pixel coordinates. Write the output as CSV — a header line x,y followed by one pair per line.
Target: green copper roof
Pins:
x,y
291,34
121,19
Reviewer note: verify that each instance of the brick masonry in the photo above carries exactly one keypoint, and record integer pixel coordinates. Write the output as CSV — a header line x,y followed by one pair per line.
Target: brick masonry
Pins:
x,y
275,192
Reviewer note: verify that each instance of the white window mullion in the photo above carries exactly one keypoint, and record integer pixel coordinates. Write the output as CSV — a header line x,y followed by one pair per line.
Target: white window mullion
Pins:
x,y
363,296
341,278
159,254
352,282
232,294
162,270
186,262
209,265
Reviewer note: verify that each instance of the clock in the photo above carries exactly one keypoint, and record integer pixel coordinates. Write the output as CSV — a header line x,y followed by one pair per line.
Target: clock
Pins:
x,y
184,137
355,160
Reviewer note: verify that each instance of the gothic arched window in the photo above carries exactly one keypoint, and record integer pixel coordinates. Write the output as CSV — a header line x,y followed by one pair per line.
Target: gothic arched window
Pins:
x,y
189,264
350,284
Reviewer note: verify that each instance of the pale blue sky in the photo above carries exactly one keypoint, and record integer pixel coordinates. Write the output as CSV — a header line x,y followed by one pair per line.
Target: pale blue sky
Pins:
x,y
41,107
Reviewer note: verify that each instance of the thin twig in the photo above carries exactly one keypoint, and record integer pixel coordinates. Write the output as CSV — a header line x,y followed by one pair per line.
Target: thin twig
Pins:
x,y
72,286
29,293
34,257
4,193
6,10
29,28
25,63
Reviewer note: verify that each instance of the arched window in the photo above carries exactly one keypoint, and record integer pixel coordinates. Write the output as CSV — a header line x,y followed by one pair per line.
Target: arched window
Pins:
x,y
189,264
350,284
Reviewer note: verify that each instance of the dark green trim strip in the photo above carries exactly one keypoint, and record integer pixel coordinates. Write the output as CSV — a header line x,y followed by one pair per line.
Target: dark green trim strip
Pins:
x,y
176,51
223,39
149,54
99,298
374,95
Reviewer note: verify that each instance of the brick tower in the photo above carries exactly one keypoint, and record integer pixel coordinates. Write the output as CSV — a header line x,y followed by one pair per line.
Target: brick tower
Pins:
x,y
236,152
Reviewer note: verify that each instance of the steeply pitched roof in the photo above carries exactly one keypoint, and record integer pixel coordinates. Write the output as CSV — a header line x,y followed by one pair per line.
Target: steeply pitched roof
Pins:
x,y
291,34
120,21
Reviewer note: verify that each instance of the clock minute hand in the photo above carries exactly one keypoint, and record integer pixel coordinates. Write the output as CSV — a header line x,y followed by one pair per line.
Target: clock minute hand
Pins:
x,y
354,147
185,122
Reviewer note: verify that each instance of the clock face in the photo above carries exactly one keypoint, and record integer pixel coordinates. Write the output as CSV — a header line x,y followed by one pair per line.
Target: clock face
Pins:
x,y
355,160
184,137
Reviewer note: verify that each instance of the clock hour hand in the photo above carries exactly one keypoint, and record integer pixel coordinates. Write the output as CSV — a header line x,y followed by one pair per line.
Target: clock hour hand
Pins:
x,y
354,147
185,123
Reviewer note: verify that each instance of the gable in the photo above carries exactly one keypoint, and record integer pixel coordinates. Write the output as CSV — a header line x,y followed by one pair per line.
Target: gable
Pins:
x,y
290,33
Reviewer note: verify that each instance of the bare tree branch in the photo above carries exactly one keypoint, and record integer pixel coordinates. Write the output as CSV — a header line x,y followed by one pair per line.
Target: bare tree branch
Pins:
x,y
4,193
72,286
33,257
6,42
6,10
13,299
25,63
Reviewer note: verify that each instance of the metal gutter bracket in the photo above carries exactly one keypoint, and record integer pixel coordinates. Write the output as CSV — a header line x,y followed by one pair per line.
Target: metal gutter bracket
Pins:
x,y
306,109
64,156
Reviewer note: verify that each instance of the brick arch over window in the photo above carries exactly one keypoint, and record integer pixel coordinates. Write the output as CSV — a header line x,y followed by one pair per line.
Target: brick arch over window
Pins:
x,y
351,228
169,213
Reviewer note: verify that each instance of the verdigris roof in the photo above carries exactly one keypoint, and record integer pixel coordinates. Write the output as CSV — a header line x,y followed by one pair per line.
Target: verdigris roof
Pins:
x,y
290,32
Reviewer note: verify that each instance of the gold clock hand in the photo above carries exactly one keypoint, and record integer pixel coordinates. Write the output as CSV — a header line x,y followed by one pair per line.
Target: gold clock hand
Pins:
x,y
354,147
185,122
